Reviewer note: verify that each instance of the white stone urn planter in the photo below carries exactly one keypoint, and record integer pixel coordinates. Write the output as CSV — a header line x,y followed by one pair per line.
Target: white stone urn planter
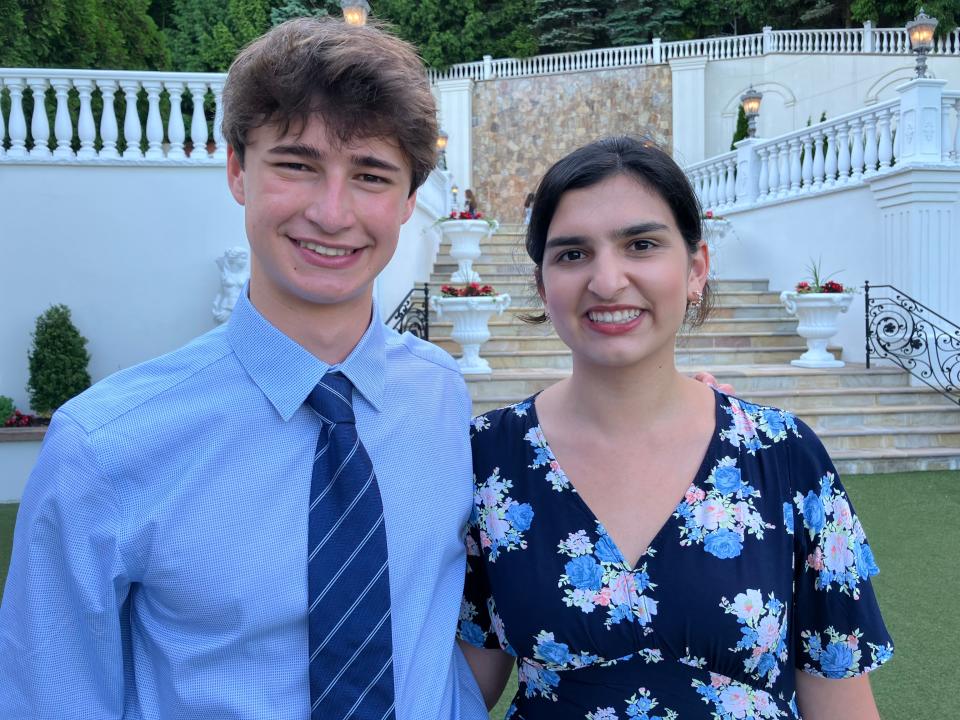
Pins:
x,y
715,233
465,237
819,315
470,316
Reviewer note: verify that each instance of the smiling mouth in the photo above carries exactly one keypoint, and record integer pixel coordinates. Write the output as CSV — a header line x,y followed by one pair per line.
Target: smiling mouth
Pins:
x,y
617,317
324,250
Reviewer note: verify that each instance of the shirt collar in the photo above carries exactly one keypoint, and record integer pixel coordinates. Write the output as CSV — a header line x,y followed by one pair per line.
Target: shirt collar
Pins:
x,y
286,372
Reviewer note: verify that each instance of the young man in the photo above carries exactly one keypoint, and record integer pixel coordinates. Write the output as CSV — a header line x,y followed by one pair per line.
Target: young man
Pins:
x,y
177,554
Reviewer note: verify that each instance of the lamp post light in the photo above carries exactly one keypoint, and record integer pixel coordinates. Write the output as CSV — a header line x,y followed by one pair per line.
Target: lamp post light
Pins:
x,y
442,139
453,191
355,11
751,108
920,31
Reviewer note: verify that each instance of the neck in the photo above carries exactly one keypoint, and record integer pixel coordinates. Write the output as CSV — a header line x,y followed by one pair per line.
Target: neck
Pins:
x,y
626,400
329,332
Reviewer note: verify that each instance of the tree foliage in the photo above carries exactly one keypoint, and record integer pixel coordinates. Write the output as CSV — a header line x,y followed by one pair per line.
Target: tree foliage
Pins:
x,y
58,361
742,130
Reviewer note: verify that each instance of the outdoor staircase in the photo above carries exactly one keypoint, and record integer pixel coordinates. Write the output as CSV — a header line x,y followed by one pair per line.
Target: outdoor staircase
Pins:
x,y
871,421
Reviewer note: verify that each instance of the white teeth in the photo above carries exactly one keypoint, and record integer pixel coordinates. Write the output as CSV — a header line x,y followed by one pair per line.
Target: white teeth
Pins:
x,y
618,316
323,250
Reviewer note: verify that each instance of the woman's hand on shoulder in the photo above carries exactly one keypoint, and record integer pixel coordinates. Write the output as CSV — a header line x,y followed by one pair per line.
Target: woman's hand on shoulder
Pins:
x,y
708,379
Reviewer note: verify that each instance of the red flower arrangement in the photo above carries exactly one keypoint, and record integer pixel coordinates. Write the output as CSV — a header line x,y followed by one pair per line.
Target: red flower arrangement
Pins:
x,y
470,290
465,215
818,284
19,419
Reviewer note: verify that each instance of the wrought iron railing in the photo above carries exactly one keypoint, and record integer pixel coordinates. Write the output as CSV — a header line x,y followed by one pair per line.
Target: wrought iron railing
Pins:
x,y
413,313
916,338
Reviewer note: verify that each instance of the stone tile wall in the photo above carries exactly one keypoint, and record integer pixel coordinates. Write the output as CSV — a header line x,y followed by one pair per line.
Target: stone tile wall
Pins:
x,y
523,125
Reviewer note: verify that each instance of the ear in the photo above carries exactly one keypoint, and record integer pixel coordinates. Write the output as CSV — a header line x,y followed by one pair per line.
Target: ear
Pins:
x,y
409,205
235,175
699,269
538,278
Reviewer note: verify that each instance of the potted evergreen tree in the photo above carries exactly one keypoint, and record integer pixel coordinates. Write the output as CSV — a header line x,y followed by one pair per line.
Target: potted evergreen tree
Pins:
x,y
58,362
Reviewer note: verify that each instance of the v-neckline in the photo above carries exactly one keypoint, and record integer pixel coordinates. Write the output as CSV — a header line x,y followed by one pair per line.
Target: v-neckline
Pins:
x,y
697,480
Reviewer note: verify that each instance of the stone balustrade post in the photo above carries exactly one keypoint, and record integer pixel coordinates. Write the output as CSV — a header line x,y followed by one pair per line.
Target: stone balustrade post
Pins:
x,y
487,67
919,131
768,40
62,125
39,123
86,129
867,43
748,171
657,51
220,152
17,126
198,123
131,119
175,129
154,121
109,132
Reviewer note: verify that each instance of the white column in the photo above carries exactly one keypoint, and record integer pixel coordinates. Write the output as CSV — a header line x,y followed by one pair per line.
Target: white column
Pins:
x,y
39,123
921,234
456,112
108,121
773,171
18,123
806,167
689,110
885,142
748,172
843,154
175,130
856,157
730,191
86,129
784,169
830,162
198,123
62,126
763,182
220,152
795,175
154,121
920,117
870,145
131,120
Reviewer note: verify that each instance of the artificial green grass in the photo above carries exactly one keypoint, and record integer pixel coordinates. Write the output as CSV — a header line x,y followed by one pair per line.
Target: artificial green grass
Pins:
x,y
911,522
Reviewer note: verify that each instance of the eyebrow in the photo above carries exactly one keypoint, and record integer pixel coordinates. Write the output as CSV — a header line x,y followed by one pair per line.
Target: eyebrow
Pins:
x,y
311,153
621,234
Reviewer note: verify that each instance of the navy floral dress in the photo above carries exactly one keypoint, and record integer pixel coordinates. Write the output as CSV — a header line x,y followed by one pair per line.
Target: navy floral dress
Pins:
x,y
762,568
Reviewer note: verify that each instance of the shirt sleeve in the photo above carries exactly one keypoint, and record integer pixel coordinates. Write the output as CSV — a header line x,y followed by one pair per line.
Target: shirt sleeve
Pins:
x,y
838,631
61,635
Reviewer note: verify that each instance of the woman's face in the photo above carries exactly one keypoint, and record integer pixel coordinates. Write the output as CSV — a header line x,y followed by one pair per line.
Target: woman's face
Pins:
x,y
616,274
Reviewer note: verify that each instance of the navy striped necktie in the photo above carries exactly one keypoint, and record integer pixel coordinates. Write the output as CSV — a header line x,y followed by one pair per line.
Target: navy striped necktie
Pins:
x,y
351,648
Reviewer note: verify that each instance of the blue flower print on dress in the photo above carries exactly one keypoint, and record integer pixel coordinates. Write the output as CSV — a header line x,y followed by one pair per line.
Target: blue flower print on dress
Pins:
x,y
841,555
788,518
838,656
479,424
640,706
763,628
543,457
520,408
723,515
468,629
750,421
500,519
732,700
597,577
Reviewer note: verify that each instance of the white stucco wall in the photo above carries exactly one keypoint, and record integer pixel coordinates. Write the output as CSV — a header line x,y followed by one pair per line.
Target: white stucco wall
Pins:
x,y
131,251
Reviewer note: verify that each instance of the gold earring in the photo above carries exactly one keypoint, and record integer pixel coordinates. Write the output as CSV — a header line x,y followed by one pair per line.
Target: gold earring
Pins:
x,y
697,299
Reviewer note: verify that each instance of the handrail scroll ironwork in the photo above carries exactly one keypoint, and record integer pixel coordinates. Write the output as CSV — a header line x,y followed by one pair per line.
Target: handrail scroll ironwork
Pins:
x,y
918,339
413,313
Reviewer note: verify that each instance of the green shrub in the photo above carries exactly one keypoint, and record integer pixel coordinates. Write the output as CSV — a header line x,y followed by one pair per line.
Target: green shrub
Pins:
x,y
58,361
6,408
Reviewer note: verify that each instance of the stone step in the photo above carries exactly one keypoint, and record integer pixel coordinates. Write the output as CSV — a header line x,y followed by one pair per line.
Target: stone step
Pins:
x,y
909,416
886,437
524,305
511,324
537,339
891,460
709,357
777,385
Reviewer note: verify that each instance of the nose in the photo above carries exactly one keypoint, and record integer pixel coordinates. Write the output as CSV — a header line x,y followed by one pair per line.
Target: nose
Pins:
x,y
607,277
330,205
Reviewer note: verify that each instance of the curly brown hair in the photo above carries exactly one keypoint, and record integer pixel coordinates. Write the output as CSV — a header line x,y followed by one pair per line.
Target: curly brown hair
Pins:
x,y
362,81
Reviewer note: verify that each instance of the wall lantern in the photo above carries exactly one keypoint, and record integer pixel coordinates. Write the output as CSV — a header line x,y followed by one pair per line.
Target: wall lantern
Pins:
x,y
355,11
442,139
751,108
453,191
920,31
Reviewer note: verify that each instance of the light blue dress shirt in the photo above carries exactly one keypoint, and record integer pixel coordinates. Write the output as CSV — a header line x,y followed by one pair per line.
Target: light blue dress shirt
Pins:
x,y
159,562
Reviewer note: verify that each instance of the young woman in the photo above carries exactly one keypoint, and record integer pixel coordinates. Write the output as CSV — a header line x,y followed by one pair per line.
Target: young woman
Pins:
x,y
644,546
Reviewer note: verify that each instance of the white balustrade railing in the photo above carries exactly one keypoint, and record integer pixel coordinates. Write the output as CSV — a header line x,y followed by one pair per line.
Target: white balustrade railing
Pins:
x,y
950,141
117,130
839,152
865,40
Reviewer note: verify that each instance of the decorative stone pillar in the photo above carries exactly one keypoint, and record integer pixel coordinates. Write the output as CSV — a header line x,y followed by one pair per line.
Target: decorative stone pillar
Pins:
x,y
455,98
919,131
689,110
920,245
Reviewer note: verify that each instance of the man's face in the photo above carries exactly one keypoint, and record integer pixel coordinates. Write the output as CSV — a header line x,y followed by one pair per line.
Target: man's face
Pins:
x,y
322,219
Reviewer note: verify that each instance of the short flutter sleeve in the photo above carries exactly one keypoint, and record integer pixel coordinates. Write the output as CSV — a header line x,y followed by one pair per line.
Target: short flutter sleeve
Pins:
x,y
838,631
479,625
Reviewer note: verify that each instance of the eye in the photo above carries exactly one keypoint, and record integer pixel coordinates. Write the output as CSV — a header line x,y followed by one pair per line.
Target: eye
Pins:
x,y
295,166
642,244
368,178
570,256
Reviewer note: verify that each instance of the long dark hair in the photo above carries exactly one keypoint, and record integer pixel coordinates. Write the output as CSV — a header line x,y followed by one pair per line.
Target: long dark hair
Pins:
x,y
592,164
